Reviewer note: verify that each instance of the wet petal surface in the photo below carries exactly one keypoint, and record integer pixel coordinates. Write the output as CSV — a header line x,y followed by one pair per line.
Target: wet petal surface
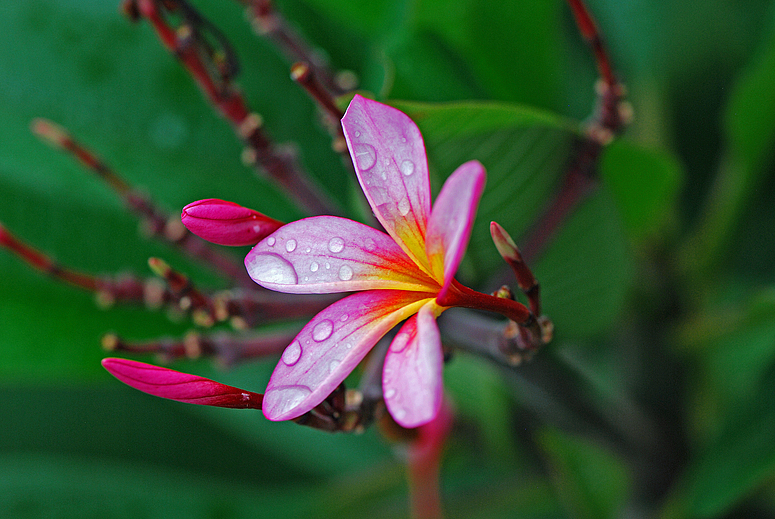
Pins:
x,y
412,375
389,157
330,346
452,219
327,254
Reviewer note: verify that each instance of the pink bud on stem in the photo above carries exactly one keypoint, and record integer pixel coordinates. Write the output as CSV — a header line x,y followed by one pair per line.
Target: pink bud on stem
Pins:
x,y
227,223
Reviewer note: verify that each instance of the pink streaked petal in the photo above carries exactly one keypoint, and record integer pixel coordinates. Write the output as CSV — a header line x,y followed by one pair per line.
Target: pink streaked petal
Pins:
x,y
191,389
451,221
330,346
327,254
412,375
389,156
227,223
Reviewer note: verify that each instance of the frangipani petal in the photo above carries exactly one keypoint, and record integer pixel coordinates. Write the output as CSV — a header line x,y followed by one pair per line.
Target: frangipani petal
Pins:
x,y
412,375
227,223
330,346
327,254
191,389
451,221
389,157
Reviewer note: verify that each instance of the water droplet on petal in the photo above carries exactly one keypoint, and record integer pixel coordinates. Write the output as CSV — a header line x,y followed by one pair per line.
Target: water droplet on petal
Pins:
x,y
370,245
345,273
322,330
365,156
404,206
314,266
270,241
400,342
290,245
309,250
271,268
390,393
349,345
328,265
292,353
333,365
407,167
357,133
344,317
398,413
336,244
285,399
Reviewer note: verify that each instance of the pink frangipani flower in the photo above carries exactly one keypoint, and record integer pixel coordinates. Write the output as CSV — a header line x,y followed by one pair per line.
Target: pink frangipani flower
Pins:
x,y
406,274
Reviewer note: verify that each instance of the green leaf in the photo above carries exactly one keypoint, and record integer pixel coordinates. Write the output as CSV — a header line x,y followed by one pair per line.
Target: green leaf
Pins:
x,y
644,184
591,482
732,467
749,121
513,49
63,487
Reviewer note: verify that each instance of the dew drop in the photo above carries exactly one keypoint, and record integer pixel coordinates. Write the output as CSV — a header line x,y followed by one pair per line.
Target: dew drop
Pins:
x,y
333,365
365,156
290,245
357,133
256,229
370,245
404,206
283,400
313,267
270,241
349,345
344,317
271,268
292,353
336,244
390,393
328,265
322,330
345,273
309,250
399,343
407,167
398,413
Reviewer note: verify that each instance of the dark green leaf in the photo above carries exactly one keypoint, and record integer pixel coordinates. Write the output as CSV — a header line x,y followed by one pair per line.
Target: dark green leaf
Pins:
x,y
591,481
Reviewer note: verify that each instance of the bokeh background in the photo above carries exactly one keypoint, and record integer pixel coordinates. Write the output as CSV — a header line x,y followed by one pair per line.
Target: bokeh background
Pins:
x,y
657,397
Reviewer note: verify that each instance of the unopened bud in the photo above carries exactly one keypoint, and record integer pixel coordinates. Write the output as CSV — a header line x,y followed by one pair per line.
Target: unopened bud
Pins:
x,y
227,223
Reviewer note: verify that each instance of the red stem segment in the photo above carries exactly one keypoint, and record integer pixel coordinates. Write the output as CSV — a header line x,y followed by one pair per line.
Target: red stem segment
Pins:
x,y
212,72
156,221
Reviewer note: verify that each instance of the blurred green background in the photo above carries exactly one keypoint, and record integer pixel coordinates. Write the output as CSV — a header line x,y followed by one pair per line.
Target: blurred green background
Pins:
x,y
657,396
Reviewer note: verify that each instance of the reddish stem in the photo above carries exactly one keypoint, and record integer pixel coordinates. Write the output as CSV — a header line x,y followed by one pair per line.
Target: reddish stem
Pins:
x,y
185,43
589,32
156,221
268,22
461,296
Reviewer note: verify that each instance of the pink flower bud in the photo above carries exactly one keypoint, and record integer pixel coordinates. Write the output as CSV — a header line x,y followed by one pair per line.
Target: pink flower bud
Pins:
x,y
174,385
227,223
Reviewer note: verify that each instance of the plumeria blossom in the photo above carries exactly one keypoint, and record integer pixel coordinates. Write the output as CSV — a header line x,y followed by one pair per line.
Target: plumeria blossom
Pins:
x,y
406,273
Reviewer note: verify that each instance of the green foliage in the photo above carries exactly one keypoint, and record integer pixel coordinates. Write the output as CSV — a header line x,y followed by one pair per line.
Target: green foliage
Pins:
x,y
659,283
